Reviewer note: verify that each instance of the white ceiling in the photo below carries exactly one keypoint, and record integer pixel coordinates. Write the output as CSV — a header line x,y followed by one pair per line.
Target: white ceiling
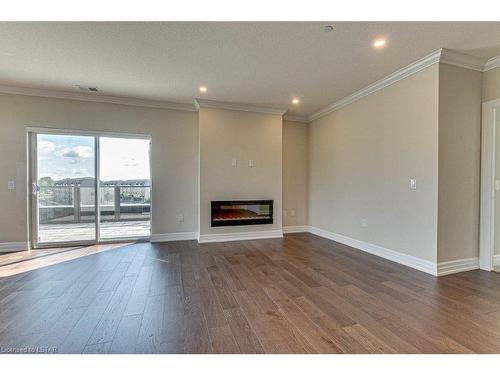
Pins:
x,y
263,64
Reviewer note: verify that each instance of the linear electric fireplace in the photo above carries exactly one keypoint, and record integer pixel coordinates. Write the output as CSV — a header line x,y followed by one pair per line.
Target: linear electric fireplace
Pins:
x,y
226,213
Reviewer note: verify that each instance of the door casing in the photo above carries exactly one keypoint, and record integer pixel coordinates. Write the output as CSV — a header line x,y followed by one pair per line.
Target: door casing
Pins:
x,y
487,204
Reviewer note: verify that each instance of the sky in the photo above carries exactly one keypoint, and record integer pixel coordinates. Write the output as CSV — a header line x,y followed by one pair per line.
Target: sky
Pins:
x,y
69,156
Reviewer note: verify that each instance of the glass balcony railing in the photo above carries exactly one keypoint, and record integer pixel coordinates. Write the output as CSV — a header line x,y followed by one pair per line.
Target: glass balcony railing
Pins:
x,y
76,204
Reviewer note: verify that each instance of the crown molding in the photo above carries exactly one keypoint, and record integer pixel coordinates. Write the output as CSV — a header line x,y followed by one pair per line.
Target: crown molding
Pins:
x,y
461,60
98,98
205,103
443,55
398,75
304,119
492,63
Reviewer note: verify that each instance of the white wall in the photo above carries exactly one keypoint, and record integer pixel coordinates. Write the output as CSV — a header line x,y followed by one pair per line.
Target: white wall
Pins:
x,y
295,173
459,162
224,135
491,84
361,158
174,154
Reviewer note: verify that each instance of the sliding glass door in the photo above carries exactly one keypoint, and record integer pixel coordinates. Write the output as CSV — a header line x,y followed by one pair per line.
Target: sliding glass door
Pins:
x,y
64,188
125,188
72,174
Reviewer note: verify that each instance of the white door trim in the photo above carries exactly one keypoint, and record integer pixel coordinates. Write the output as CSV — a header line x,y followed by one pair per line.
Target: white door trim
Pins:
x,y
89,133
487,217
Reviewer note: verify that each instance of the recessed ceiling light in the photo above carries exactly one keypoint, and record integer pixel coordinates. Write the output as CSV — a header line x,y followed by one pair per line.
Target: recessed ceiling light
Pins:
x,y
295,101
328,29
203,89
379,43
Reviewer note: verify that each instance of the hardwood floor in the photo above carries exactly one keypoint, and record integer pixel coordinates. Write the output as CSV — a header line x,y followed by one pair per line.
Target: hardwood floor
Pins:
x,y
23,261
300,294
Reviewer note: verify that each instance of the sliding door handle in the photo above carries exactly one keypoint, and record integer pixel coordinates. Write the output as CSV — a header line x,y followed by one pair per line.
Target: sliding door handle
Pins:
x,y
35,188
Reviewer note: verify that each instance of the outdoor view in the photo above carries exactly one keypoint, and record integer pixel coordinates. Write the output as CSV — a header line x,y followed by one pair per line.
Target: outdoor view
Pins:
x,y
66,192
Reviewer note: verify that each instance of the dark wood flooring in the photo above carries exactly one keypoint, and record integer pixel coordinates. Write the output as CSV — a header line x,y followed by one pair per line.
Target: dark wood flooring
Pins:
x,y
300,294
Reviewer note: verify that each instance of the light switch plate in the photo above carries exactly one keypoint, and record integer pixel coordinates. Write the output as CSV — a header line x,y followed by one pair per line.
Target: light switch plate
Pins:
x,y
234,162
11,185
251,163
497,184
413,183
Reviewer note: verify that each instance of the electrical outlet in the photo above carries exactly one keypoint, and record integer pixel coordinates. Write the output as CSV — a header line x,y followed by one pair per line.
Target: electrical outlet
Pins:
x,y
11,185
251,163
234,163
292,212
180,218
364,223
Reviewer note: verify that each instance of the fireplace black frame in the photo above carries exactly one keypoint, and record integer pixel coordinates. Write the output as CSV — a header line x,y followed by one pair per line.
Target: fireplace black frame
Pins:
x,y
224,223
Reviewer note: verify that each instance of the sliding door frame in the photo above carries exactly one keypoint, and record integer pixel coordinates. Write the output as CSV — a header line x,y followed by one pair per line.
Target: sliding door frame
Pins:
x,y
33,178
33,213
97,195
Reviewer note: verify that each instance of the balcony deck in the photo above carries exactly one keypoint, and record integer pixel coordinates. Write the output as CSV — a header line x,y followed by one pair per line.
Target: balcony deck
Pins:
x,y
66,232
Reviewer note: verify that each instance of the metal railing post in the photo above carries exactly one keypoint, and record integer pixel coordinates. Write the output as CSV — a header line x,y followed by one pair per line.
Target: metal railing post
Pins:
x,y
76,203
117,202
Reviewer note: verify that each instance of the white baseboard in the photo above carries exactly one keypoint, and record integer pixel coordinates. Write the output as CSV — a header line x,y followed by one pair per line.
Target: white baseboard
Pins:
x,y
459,265
296,229
395,256
183,236
223,237
7,247
496,260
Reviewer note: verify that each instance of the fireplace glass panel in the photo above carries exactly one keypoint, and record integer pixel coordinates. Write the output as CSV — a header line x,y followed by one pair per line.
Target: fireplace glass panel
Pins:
x,y
227,213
